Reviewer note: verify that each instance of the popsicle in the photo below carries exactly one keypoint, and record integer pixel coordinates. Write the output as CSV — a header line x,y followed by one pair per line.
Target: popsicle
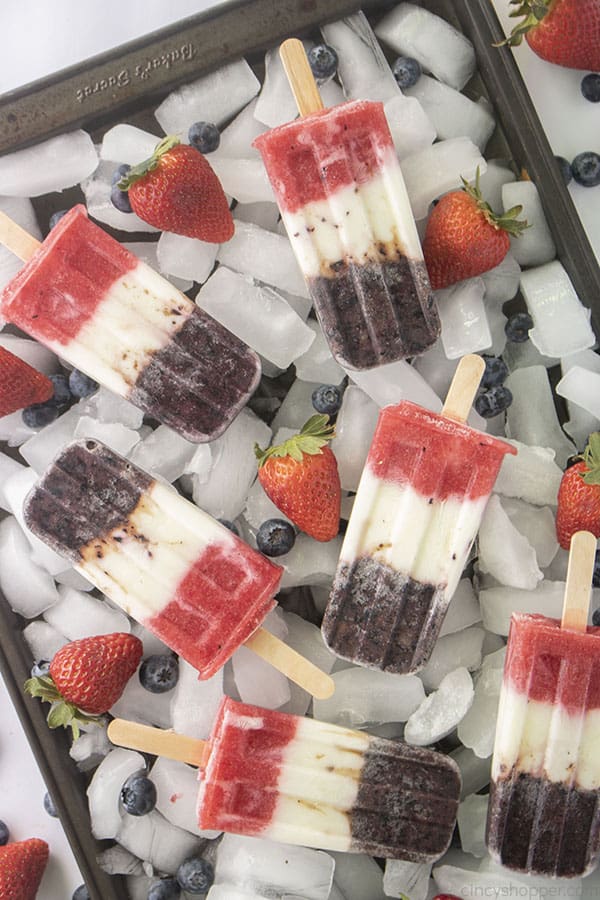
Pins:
x,y
269,774
417,510
343,201
543,814
100,308
164,561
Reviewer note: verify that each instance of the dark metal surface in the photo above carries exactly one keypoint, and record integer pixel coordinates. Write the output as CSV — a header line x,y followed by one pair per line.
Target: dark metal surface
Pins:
x,y
97,94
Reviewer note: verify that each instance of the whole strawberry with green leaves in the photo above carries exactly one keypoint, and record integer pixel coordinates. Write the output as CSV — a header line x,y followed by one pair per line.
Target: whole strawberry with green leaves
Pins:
x,y
22,866
301,477
465,237
86,678
578,506
563,32
177,190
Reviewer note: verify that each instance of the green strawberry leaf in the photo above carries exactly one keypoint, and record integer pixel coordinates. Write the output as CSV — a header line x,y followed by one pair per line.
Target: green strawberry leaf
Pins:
x,y
62,713
148,165
310,440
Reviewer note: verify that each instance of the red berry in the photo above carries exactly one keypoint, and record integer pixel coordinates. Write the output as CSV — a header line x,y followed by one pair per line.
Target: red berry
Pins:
x,y
564,32
22,866
20,384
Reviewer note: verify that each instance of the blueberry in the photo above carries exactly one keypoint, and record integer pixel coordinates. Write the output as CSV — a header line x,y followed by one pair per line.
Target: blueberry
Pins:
x,y
327,398
494,401
275,537
4,833
49,806
165,889
81,893
138,795
496,372
81,385
517,328
230,525
586,168
407,71
120,199
596,577
39,415
596,613
323,61
565,169
56,217
590,87
159,673
195,875
121,170
62,395
204,136
40,668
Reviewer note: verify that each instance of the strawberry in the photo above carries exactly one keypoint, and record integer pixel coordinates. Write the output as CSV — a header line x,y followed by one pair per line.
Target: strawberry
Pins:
x,y
86,678
301,478
579,495
176,190
22,866
464,236
20,384
564,32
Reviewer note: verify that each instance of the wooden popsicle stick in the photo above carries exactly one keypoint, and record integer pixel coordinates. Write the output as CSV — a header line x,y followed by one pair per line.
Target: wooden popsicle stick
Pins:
x,y
300,76
16,239
579,581
298,669
461,394
158,742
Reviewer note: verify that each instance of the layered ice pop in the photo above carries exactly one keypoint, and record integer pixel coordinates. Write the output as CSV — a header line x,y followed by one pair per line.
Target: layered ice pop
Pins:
x,y
417,511
300,781
544,815
339,187
167,563
100,308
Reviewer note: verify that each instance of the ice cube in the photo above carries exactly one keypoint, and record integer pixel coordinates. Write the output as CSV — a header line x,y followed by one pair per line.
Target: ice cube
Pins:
x,y
8,468
124,143
113,434
581,386
463,882
21,211
502,282
537,525
147,251
108,407
394,382
237,138
310,562
258,315
139,705
90,748
43,640
491,183
406,879
497,322
118,861
535,245
28,588
215,97
53,165
185,257
531,417
463,610
228,891
410,126
532,475
259,507
104,790
441,711
256,680
462,312
497,603
363,69
306,639
71,578
296,406
263,214
41,448
233,470
154,839
177,794
97,188
438,169
452,114
265,256
244,179
561,322
504,551
368,695
357,876
474,770
478,728
78,615
275,104
317,364
273,869
164,453
435,367
354,430
463,648
194,703
434,43
471,819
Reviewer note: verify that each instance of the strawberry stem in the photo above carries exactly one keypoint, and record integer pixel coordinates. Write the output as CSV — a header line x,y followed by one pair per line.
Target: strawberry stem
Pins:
x,y
148,165
508,221
591,457
313,435
532,12
62,713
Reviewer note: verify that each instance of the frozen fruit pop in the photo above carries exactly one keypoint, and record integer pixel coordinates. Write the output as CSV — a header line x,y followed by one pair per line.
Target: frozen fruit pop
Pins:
x,y
301,781
544,812
100,308
417,510
339,187
164,561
